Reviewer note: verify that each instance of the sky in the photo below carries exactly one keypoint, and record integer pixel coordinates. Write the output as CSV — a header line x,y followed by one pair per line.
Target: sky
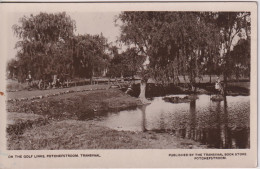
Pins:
x,y
86,23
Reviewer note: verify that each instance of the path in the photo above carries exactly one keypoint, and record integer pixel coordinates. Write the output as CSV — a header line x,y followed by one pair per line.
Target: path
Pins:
x,y
28,94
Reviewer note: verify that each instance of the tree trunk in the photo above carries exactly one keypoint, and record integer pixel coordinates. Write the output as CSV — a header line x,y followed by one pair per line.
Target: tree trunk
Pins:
x,y
142,89
91,80
142,92
237,74
225,84
226,70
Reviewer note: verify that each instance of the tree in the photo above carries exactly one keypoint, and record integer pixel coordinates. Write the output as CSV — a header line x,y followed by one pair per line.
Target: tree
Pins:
x,y
133,61
148,33
209,44
89,55
174,43
232,25
127,64
42,41
240,56
12,68
116,66
48,46
197,41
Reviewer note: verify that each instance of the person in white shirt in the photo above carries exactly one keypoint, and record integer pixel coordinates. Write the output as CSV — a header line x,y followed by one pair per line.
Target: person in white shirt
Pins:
x,y
218,86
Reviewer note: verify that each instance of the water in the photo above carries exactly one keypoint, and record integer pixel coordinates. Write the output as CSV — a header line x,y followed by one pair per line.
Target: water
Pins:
x,y
222,124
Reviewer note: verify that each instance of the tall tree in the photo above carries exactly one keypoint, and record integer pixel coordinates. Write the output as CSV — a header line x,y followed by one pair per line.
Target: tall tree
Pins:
x,y
133,61
233,26
127,64
90,55
174,43
41,36
240,56
149,33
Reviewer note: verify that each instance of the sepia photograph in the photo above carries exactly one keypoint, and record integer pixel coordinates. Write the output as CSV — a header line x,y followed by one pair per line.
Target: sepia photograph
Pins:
x,y
128,79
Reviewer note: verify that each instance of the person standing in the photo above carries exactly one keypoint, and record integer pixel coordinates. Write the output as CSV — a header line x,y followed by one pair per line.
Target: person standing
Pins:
x,y
218,86
29,79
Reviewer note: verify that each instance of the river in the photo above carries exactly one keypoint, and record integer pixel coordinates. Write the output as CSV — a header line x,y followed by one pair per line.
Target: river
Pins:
x,y
218,124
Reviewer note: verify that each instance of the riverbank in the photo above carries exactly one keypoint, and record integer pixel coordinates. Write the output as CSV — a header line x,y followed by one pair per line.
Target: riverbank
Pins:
x,y
155,90
77,106
65,122
73,134
152,90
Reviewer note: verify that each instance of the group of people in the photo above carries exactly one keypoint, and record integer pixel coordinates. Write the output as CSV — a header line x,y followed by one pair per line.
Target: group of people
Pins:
x,y
47,81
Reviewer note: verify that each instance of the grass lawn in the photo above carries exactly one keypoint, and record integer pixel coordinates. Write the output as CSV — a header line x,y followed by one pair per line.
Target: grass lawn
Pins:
x,y
73,134
78,106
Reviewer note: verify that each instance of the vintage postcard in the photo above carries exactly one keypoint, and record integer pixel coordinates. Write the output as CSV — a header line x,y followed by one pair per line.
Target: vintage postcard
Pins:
x,y
128,85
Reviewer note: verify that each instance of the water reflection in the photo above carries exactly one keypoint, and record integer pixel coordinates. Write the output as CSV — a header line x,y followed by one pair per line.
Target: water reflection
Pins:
x,y
191,132
218,124
218,134
143,108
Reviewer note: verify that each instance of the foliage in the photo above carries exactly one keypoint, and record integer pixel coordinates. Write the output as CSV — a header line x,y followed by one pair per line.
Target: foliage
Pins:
x,y
161,45
42,42
176,43
127,63
240,57
232,25
179,43
116,67
89,55
48,46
